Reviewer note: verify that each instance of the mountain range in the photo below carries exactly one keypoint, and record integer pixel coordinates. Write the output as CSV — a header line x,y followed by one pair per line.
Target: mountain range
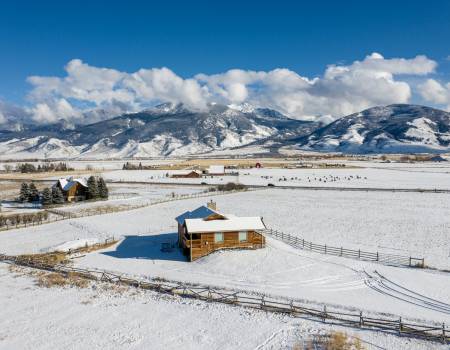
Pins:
x,y
174,130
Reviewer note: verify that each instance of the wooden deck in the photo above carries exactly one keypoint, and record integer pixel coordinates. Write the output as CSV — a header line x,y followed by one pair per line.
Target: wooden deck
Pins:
x,y
205,244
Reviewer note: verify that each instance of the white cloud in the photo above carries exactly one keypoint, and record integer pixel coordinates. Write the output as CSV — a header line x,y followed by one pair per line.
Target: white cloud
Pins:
x,y
433,91
54,111
11,114
342,89
2,118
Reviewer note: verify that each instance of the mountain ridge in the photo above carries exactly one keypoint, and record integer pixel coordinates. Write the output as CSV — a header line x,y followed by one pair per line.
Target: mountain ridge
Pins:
x,y
171,130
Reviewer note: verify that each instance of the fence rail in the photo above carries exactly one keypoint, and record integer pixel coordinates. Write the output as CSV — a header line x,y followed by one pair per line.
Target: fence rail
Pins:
x,y
382,258
395,325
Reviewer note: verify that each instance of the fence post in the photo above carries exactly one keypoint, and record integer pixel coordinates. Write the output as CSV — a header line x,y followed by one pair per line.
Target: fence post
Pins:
x,y
324,313
303,243
341,251
443,332
325,248
400,327
377,257
359,253
361,320
410,261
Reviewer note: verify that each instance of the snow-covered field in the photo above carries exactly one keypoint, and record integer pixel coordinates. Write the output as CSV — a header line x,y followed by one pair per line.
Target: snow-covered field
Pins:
x,y
416,224
99,317
383,176
133,195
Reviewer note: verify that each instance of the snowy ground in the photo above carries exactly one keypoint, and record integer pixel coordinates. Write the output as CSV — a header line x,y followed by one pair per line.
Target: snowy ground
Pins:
x,y
382,176
407,223
404,223
103,318
133,194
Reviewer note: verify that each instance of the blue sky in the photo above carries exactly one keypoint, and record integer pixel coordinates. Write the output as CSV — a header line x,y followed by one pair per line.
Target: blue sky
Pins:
x,y
39,38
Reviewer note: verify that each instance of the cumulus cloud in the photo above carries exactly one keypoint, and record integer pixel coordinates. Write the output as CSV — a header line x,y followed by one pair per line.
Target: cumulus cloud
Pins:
x,y
433,91
342,89
12,114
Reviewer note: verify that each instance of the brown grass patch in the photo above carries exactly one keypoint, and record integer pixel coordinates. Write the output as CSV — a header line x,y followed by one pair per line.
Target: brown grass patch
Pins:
x,y
332,341
56,279
52,259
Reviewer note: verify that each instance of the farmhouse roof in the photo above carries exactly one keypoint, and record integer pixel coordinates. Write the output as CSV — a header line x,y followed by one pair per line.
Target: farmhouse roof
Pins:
x,y
199,213
66,184
229,224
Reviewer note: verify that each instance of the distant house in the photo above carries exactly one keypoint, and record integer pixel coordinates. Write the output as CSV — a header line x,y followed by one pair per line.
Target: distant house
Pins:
x,y
192,174
73,189
216,170
205,230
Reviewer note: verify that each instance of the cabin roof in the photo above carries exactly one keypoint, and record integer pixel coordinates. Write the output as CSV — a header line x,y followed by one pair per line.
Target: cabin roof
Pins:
x,y
231,223
66,184
199,213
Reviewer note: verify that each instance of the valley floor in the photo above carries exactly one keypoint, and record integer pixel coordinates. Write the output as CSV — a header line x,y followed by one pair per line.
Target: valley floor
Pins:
x,y
414,224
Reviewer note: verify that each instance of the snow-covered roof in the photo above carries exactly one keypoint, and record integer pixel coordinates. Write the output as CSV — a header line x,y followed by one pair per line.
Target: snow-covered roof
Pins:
x,y
66,184
199,213
225,225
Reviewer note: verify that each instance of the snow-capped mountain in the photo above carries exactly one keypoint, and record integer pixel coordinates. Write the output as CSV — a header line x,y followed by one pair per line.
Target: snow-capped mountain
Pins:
x,y
175,130
165,130
399,128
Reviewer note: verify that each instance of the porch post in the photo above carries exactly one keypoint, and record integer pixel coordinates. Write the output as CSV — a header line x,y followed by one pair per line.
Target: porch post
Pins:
x,y
190,237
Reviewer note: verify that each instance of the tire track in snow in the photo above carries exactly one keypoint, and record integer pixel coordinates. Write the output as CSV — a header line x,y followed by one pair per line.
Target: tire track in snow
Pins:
x,y
389,288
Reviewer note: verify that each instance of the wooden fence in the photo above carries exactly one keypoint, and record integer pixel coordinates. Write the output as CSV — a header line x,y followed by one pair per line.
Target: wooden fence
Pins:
x,y
382,258
392,324
65,215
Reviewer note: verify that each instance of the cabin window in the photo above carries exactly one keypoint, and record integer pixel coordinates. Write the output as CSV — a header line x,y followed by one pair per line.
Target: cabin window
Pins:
x,y
243,236
218,237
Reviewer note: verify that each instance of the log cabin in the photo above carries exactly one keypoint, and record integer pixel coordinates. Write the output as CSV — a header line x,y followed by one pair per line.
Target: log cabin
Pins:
x,y
73,189
205,230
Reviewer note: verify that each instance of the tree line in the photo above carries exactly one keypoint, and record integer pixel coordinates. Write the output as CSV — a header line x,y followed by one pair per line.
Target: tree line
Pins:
x,y
25,219
41,168
29,193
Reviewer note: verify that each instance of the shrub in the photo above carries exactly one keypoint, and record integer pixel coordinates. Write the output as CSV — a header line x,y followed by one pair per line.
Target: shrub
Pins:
x,y
231,186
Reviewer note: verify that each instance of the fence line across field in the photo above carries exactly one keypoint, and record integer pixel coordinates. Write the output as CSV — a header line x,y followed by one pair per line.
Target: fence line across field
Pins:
x,y
396,325
65,215
383,258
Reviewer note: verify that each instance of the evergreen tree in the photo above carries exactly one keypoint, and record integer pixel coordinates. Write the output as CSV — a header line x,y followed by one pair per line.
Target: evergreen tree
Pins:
x,y
24,192
92,190
47,196
103,191
57,195
34,193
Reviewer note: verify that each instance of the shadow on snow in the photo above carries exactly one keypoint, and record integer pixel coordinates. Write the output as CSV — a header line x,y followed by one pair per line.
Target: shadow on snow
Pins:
x,y
147,247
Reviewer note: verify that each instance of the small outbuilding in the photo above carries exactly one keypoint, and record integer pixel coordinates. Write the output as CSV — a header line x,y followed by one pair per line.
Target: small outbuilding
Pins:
x,y
205,230
73,189
191,175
